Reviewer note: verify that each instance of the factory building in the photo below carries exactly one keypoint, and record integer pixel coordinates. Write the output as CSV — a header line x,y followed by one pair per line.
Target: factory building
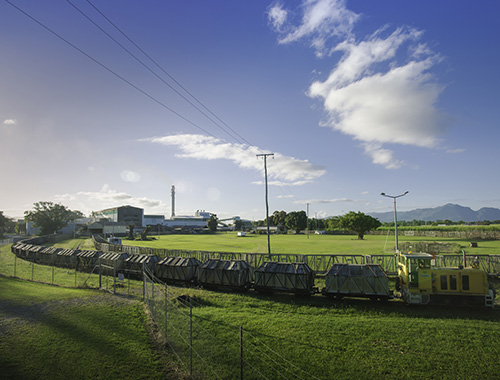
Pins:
x,y
125,215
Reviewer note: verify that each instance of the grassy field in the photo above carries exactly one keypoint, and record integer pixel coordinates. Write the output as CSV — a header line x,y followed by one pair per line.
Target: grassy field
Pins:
x,y
49,332
301,244
356,339
322,339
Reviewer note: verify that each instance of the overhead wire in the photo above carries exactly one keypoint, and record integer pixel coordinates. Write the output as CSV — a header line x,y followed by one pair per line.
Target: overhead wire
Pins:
x,y
237,137
169,75
144,64
110,70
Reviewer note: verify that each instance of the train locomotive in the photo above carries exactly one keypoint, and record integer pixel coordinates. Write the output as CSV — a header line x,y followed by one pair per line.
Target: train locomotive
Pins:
x,y
418,282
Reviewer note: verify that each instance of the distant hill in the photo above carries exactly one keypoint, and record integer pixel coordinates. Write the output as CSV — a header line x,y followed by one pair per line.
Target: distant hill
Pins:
x,y
449,211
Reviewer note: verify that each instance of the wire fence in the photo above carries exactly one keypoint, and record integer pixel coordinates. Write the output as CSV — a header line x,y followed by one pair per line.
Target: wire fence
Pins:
x,y
208,349
98,276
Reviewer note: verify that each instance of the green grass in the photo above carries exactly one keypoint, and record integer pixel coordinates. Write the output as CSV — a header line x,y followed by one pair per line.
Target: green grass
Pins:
x,y
10,265
354,339
56,333
327,339
301,244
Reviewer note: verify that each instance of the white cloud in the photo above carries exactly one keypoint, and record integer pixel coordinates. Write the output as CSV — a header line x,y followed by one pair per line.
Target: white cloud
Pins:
x,y
321,20
130,176
381,90
9,122
277,16
107,197
281,169
323,201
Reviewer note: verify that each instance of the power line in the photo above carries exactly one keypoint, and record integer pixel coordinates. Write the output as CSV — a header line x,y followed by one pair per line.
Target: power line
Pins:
x,y
143,64
169,75
110,70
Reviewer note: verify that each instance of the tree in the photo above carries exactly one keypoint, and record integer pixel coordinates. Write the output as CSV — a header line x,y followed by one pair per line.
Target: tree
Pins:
x,y
333,223
5,223
359,223
278,218
51,217
212,222
296,220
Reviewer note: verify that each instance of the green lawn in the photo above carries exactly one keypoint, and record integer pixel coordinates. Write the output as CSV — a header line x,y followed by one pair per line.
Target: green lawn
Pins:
x,y
313,337
318,338
49,332
300,244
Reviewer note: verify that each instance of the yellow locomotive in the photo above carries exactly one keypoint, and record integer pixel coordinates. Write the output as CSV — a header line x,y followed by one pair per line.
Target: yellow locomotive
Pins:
x,y
421,283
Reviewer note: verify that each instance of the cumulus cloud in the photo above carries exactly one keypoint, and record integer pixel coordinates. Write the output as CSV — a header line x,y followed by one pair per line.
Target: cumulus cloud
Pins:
x,y
381,91
9,122
281,170
108,197
321,20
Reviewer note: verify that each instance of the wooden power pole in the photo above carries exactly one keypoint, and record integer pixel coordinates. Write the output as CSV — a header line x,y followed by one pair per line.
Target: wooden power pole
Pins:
x,y
265,155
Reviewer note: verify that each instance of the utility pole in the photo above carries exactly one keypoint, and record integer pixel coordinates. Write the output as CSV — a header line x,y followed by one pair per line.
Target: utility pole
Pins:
x,y
267,203
307,220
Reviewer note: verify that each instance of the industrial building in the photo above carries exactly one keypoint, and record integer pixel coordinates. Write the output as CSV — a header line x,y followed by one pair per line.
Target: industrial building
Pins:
x,y
126,215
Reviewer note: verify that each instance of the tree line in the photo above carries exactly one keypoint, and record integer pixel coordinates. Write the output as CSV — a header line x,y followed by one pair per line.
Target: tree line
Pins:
x,y
357,222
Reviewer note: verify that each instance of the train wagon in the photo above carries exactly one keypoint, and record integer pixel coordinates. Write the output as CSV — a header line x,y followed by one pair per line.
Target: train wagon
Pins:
x,y
47,256
230,274
357,280
295,278
177,269
111,263
421,283
87,260
66,258
134,265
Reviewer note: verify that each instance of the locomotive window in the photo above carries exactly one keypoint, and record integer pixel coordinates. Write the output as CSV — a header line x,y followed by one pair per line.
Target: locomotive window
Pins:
x,y
444,283
453,282
465,282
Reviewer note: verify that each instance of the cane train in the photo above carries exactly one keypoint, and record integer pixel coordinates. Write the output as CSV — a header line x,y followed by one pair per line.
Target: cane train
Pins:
x,y
418,282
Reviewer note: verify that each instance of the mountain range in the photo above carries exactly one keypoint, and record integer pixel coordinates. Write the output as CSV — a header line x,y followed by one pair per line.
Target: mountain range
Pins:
x,y
449,211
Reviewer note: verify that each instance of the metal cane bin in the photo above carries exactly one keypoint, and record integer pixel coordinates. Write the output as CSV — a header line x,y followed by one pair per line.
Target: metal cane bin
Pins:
x,y
232,274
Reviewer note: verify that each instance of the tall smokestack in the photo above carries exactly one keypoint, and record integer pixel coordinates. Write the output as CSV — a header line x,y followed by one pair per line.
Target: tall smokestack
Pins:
x,y
173,202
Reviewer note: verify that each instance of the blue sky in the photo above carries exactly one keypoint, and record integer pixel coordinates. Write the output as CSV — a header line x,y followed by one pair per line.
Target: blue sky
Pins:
x,y
353,99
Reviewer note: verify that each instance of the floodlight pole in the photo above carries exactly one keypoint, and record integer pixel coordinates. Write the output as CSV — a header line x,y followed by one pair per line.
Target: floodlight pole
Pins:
x,y
267,203
395,215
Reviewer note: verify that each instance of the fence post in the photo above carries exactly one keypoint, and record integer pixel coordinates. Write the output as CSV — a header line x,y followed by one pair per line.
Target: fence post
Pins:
x,y
15,265
114,279
191,336
241,352
143,282
32,269
166,303
100,274
75,276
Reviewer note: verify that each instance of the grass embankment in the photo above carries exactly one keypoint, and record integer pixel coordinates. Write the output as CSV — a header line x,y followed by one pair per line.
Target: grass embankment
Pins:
x,y
354,339
49,332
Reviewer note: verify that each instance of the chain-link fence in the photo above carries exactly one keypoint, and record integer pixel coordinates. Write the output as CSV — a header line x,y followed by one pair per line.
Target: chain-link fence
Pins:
x,y
208,349
72,274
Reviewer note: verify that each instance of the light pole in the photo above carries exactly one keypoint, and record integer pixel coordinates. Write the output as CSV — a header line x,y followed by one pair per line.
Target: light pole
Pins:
x,y
395,215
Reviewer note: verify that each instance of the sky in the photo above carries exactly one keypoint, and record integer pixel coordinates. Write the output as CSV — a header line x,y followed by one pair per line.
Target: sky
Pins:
x,y
109,103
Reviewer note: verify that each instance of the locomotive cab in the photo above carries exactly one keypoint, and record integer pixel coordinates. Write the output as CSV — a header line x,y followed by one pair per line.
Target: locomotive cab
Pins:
x,y
420,283
415,277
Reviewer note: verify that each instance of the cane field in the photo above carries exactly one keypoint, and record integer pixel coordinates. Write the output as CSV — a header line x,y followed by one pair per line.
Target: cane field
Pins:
x,y
79,332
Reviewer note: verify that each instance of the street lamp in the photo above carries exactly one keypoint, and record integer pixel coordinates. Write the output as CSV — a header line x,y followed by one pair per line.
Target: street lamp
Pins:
x,y
395,215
